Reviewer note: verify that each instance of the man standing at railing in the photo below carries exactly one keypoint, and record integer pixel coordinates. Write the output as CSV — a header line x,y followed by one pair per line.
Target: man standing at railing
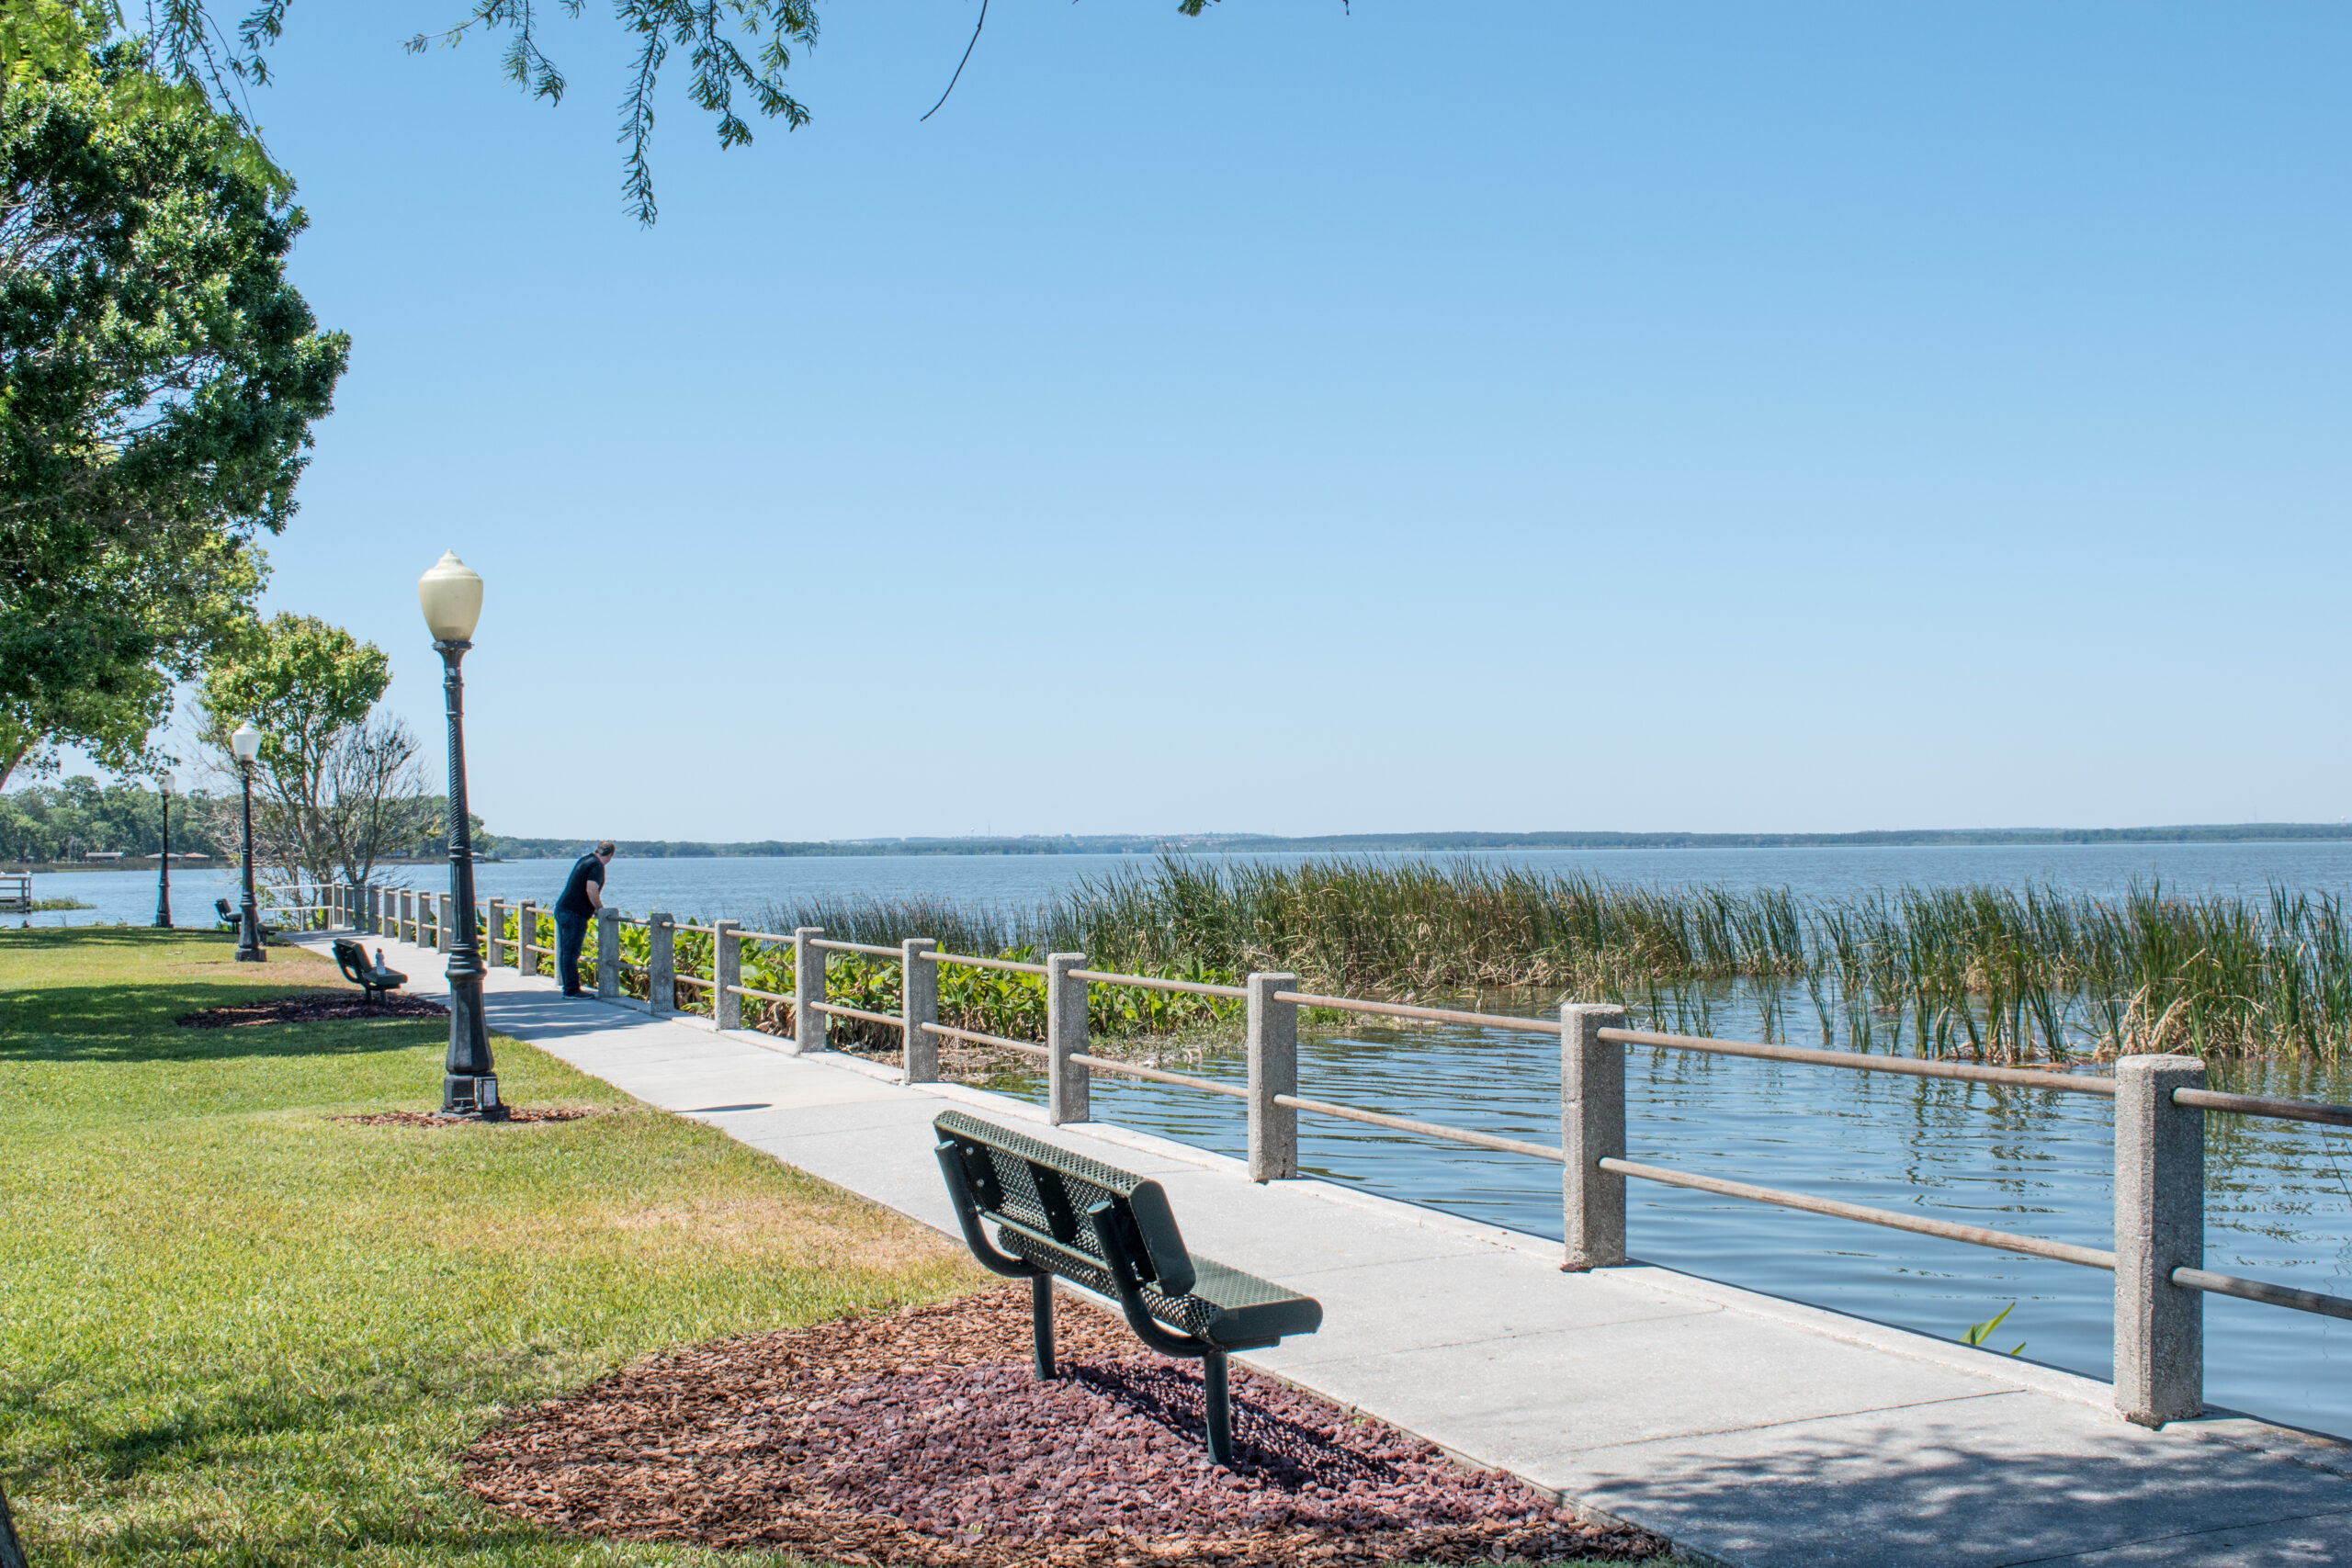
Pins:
x,y
583,894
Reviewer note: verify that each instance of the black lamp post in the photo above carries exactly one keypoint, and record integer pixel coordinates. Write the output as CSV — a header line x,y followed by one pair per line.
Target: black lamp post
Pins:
x,y
246,744
163,862
451,596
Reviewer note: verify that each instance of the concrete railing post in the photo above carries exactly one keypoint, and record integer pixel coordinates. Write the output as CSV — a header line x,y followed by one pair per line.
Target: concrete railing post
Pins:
x,y
410,931
919,1005
2159,1226
445,924
807,987
726,974
1273,1070
1068,1086
662,967
527,938
1593,1128
495,934
608,955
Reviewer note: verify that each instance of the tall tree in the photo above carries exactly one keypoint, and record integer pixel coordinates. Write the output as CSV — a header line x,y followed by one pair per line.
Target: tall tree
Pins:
x,y
338,787
158,379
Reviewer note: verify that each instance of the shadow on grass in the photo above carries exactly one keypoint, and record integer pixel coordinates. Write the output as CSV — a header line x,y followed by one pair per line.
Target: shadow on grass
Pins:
x,y
134,1023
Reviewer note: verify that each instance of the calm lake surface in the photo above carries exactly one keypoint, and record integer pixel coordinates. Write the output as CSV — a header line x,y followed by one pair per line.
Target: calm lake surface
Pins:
x,y
2279,1205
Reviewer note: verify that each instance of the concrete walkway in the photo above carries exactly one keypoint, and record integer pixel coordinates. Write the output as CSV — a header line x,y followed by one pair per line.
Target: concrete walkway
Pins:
x,y
1749,1430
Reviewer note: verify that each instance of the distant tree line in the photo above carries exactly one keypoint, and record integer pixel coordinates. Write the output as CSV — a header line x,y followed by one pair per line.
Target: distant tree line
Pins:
x,y
74,816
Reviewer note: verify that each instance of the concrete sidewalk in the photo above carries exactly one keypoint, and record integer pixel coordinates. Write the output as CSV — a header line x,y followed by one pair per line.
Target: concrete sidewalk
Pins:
x,y
1749,1430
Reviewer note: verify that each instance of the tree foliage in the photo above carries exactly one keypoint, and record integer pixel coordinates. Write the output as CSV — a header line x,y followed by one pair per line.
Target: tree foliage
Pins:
x,y
74,815
158,379
336,787
730,46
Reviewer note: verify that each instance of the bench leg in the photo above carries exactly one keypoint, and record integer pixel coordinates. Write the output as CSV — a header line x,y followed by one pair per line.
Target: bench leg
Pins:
x,y
1220,1409
1041,1321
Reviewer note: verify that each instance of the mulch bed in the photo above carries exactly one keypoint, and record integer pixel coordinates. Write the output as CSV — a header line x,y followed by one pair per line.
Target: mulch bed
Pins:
x,y
311,1006
922,1438
514,1114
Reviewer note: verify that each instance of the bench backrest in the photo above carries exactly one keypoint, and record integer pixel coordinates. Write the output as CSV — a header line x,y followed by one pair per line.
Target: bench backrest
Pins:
x,y
1028,1185
352,959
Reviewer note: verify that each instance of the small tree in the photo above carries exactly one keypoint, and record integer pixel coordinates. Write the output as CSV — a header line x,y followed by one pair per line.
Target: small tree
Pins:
x,y
336,789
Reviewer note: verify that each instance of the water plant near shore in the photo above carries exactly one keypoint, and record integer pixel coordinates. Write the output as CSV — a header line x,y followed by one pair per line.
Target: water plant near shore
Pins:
x,y
1987,973
1991,973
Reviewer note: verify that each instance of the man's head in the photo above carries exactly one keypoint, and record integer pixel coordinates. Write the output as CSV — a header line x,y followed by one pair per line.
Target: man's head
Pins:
x,y
605,851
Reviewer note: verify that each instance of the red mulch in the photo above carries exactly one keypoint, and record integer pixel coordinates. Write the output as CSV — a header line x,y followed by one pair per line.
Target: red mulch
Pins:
x,y
311,1006
922,1438
514,1113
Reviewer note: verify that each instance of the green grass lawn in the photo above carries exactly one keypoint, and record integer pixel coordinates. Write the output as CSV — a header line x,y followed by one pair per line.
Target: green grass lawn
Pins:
x,y
238,1331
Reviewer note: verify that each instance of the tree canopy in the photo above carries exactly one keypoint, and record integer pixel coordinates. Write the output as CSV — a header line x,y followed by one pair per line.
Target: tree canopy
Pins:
x,y
337,789
158,380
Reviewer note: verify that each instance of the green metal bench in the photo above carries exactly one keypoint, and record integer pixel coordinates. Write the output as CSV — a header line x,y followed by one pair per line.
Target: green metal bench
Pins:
x,y
374,979
1057,1212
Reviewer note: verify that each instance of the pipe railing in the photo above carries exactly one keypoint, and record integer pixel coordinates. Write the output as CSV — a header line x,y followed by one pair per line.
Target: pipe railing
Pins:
x,y
2161,1101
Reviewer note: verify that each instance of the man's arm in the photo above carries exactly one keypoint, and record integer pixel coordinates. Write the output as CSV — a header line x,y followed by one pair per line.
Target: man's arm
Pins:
x,y
595,891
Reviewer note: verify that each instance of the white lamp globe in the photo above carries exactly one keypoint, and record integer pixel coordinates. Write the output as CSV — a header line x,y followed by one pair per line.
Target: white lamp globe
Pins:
x,y
167,782
245,742
451,595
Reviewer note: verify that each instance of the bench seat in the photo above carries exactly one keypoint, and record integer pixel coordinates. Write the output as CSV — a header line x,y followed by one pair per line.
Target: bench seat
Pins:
x,y
1110,1232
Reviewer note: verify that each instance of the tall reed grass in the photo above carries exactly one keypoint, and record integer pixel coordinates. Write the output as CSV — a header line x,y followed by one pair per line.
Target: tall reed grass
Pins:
x,y
1996,973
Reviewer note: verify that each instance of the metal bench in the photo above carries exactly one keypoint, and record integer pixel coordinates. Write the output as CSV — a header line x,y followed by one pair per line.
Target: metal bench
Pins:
x,y
1057,1212
372,978
231,920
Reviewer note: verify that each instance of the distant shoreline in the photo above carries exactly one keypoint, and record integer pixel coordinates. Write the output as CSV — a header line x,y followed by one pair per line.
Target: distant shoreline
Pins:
x,y
514,849
510,849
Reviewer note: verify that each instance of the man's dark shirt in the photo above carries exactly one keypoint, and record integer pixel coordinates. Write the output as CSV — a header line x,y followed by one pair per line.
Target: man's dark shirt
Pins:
x,y
574,901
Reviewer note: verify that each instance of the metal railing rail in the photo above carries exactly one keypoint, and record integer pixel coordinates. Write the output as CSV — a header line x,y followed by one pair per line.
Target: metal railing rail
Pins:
x,y
1975,1235
969,961
1157,1075
830,946
2259,1105
835,1009
1156,983
1859,1062
1426,1015
946,1032
1424,1128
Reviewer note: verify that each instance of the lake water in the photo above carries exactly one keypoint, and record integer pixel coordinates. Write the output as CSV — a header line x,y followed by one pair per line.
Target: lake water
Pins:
x,y
2279,1204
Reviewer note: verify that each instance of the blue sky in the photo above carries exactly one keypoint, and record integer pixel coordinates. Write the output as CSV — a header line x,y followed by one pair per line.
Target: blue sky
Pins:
x,y
1304,419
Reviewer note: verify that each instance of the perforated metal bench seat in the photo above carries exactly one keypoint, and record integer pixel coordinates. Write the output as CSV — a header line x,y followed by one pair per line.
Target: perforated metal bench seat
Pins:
x,y
1111,1231
1225,1307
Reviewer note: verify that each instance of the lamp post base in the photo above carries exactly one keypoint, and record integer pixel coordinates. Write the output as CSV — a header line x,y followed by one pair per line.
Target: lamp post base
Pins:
x,y
473,1099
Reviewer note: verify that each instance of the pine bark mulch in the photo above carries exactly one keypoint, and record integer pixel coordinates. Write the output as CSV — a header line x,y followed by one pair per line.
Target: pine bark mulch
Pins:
x,y
922,1438
311,1006
514,1114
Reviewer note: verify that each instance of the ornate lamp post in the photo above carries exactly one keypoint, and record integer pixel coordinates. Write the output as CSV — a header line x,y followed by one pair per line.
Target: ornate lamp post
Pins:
x,y
246,744
451,596
163,862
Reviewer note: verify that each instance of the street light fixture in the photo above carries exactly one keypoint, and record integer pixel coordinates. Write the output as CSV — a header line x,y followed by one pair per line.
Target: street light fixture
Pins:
x,y
163,862
451,596
246,744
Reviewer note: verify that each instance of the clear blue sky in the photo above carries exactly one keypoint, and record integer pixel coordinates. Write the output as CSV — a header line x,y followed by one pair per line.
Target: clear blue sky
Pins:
x,y
1506,416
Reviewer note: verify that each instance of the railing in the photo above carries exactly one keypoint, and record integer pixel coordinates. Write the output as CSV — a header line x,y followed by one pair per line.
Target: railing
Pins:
x,y
2160,1105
